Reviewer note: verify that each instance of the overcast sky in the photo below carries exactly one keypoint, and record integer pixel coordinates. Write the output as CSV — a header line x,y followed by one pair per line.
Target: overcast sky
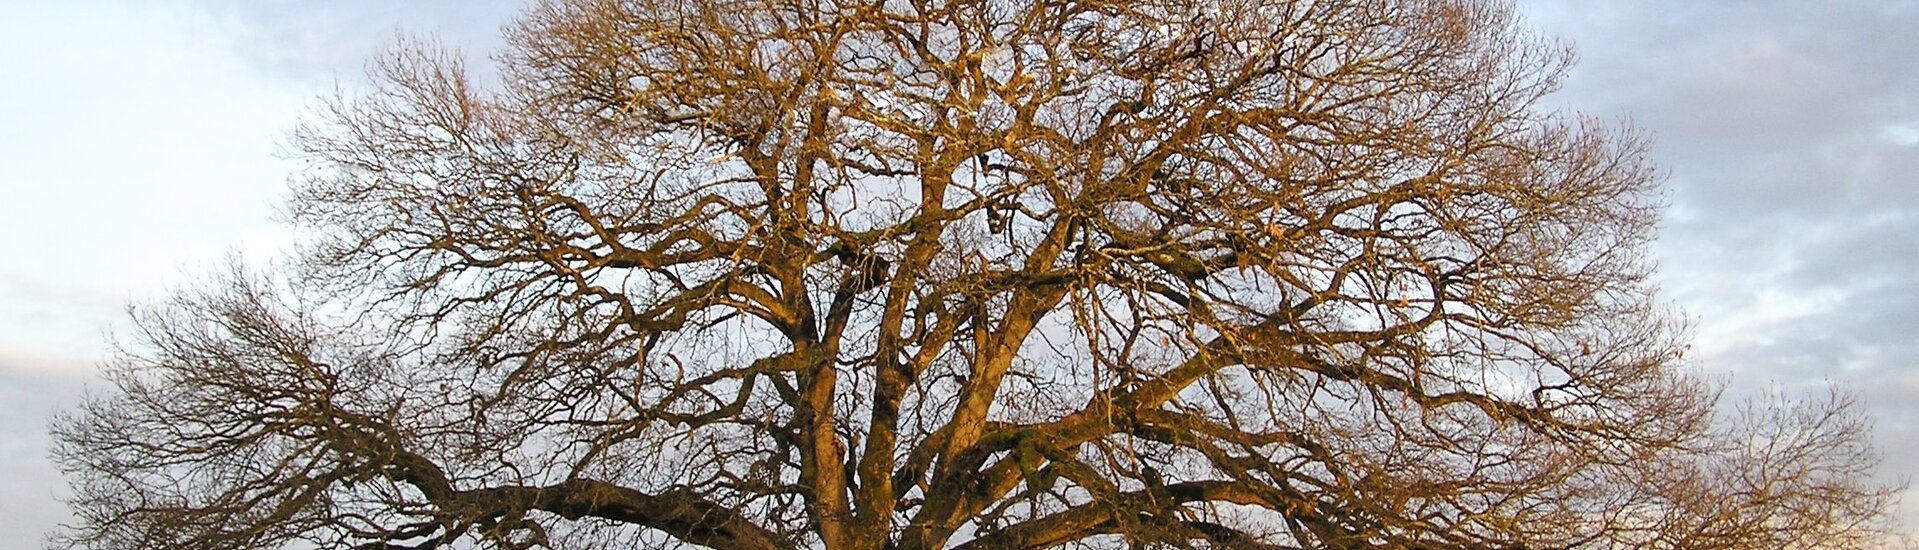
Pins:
x,y
138,144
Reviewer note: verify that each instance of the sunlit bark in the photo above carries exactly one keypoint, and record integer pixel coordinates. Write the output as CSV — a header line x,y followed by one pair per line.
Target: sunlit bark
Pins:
x,y
976,274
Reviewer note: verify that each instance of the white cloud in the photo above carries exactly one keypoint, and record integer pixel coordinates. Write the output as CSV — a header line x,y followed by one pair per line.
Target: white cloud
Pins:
x,y
137,146
140,147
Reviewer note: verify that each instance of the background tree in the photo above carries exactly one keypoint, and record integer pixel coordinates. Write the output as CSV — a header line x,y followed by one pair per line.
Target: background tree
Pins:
x,y
907,274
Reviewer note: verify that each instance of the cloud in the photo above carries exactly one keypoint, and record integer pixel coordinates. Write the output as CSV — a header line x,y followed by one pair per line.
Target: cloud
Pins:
x,y
32,389
320,42
139,144
139,140
1791,130
1751,100
1787,128
133,148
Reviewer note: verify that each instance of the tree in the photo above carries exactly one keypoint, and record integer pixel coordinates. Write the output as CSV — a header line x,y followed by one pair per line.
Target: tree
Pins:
x,y
978,274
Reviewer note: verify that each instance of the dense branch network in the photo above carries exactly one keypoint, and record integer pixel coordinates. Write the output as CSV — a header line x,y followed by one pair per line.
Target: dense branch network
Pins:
x,y
977,274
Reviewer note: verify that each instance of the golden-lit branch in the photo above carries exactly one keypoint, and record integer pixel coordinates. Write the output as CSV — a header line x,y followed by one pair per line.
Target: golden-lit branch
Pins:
x,y
915,274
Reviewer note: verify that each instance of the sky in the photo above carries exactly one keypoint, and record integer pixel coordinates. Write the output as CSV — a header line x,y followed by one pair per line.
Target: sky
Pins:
x,y
141,144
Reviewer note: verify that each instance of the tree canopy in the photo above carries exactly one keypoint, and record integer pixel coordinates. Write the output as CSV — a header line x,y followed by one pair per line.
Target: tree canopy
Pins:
x,y
914,274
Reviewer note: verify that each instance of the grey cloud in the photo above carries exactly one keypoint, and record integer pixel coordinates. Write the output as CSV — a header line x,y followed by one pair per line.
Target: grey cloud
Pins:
x,y
1747,92
316,42
1776,119
1789,131
29,395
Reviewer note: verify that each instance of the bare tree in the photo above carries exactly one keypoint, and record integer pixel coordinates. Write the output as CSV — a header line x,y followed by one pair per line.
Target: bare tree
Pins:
x,y
966,274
